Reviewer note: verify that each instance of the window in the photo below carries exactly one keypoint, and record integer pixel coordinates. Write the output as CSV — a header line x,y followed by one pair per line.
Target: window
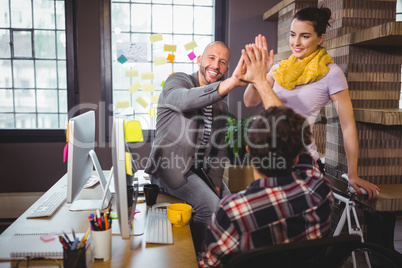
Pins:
x,y
33,80
150,40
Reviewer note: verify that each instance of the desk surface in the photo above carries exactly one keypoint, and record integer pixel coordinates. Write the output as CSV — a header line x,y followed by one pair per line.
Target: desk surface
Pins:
x,y
133,252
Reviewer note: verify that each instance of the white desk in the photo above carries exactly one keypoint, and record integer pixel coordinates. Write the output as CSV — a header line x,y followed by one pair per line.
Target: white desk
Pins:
x,y
133,252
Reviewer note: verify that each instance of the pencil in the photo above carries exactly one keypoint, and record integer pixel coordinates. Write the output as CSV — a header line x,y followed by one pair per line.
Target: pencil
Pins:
x,y
106,222
84,239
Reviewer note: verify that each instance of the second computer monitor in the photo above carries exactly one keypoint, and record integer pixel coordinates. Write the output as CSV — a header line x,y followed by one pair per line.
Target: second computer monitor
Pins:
x,y
81,161
124,168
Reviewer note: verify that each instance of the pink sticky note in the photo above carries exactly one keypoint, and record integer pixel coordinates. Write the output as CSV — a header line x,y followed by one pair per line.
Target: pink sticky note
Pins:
x,y
65,153
191,55
48,237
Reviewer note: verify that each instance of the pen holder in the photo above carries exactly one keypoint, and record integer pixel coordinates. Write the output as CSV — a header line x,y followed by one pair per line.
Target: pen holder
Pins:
x,y
101,244
74,258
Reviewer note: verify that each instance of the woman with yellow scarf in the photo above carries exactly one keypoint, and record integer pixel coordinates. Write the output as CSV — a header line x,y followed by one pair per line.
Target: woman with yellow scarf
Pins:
x,y
305,82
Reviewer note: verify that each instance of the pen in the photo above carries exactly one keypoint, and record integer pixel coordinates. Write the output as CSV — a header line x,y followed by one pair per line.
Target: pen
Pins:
x,y
72,230
66,238
109,220
75,243
63,242
92,222
110,204
99,218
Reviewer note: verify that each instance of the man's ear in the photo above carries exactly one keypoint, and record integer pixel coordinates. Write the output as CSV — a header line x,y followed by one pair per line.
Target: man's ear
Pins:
x,y
199,60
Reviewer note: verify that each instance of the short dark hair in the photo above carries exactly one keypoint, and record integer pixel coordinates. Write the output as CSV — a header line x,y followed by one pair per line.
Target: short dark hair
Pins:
x,y
277,136
319,16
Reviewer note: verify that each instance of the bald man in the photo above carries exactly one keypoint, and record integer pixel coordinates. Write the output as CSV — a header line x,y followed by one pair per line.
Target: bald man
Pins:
x,y
187,152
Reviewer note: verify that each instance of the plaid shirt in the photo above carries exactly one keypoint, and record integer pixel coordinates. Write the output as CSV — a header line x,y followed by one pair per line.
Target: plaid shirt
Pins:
x,y
270,211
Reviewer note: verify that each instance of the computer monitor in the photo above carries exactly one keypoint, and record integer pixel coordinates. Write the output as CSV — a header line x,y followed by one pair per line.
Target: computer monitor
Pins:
x,y
81,161
124,169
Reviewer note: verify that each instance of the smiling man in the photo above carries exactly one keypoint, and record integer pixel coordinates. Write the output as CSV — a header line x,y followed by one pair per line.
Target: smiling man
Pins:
x,y
190,130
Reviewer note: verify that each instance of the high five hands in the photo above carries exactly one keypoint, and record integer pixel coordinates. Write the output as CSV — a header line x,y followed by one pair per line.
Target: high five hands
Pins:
x,y
255,61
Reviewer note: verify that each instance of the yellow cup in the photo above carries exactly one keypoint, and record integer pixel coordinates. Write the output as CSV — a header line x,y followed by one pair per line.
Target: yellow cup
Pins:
x,y
179,214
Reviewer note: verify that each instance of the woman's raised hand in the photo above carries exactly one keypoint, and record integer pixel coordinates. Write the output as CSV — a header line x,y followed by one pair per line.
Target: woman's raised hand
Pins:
x,y
254,60
261,43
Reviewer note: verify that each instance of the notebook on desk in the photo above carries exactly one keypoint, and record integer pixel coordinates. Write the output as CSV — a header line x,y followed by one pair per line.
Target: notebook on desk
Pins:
x,y
21,245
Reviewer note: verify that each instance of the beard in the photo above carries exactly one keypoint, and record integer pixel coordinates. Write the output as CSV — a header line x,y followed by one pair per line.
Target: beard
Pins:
x,y
208,79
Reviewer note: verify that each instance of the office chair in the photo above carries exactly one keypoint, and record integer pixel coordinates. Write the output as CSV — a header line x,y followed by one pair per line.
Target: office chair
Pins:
x,y
327,252
323,252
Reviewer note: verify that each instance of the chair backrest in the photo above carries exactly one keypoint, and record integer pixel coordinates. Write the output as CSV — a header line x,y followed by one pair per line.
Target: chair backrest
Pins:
x,y
323,252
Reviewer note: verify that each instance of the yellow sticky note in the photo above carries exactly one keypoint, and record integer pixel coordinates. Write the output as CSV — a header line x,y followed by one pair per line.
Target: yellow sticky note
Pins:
x,y
160,61
171,73
142,101
133,131
171,57
129,168
190,45
134,87
170,48
152,112
131,73
149,75
68,130
148,87
122,104
155,38
154,98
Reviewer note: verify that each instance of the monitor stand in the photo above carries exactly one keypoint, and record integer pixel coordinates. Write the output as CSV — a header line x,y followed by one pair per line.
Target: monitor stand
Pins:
x,y
137,226
93,204
137,222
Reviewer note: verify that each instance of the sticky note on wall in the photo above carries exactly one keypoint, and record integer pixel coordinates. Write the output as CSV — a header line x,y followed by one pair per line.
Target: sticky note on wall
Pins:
x,y
142,102
160,61
155,38
134,87
170,48
171,58
190,45
122,104
122,59
191,55
133,131
152,112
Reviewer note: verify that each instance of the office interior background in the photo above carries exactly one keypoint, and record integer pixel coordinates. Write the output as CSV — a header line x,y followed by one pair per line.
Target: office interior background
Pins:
x,y
31,159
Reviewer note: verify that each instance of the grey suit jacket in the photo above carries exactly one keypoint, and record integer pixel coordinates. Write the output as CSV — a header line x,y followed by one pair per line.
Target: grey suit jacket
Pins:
x,y
180,128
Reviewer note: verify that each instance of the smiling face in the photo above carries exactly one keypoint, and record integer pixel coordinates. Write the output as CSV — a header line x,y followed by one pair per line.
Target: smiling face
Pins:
x,y
303,39
213,64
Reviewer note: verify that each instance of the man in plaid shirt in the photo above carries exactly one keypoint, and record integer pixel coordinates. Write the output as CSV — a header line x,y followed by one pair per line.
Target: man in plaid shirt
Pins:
x,y
289,200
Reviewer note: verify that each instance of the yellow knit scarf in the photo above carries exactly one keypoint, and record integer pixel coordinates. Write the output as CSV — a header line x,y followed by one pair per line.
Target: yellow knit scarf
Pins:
x,y
292,72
